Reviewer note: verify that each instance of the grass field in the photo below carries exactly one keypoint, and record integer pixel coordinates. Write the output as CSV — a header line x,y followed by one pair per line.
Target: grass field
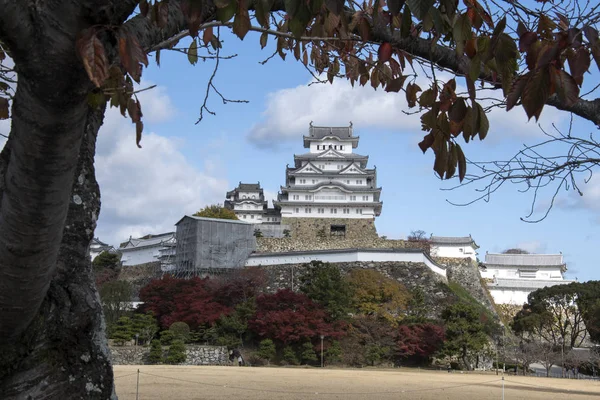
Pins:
x,y
191,382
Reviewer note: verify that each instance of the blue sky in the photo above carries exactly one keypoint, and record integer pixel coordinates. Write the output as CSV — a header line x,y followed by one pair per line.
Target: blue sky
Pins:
x,y
183,166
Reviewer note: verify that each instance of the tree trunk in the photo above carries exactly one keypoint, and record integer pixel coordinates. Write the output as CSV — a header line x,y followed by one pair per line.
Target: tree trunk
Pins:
x,y
64,353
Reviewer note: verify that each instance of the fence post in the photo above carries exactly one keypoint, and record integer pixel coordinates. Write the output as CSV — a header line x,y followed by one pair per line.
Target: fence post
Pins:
x,y
502,387
137,386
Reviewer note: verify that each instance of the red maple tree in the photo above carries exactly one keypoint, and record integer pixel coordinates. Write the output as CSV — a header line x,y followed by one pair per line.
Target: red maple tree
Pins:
x,y
288,317
419,340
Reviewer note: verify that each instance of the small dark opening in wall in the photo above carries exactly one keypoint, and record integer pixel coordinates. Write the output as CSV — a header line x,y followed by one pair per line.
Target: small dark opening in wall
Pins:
x,y
338,230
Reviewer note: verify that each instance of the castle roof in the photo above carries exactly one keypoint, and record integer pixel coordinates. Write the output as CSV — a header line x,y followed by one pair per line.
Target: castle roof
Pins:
x,y
322,132
453,240
245,187
147,241
541,260
527,283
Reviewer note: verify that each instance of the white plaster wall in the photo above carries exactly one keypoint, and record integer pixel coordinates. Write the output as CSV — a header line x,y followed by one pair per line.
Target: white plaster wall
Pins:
x,y
290,210
140,256
347,146
512,272
251,218
454,251
347,256
249,195
516,297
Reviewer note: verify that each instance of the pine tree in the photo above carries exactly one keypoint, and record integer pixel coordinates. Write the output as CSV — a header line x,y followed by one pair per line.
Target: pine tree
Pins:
x,y
289,355
123,331
266,350
176,352
333,354
156,352
308,353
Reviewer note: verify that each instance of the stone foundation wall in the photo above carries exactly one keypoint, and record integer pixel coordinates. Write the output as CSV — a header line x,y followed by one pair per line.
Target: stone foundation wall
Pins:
x,y
465,272
195,355
278,245
411,275
308,228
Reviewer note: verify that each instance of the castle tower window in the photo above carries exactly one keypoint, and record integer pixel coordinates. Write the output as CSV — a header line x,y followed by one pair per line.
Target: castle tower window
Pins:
x,y
338,230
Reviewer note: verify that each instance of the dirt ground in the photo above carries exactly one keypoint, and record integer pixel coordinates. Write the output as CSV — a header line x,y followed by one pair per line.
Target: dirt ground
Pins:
x,y
192,382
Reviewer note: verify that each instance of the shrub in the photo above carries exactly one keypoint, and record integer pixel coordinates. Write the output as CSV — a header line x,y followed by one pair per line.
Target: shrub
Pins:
x,y
181,331
289,356
156,352
308,353
176,352
167,337
333,354
266,350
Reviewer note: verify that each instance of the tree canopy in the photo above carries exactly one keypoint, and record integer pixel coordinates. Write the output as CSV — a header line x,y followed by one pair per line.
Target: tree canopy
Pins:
x,y
216,211
74,60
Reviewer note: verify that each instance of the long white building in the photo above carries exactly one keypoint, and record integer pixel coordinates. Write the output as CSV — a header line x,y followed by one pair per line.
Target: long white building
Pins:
x,y
511,277
149,248
330,181
454,247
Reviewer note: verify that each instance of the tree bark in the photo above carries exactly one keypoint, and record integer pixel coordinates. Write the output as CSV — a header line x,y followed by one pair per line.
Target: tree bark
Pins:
x,y
63,353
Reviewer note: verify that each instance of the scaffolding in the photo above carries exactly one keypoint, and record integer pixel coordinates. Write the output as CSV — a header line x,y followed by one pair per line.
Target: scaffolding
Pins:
x,y
207,246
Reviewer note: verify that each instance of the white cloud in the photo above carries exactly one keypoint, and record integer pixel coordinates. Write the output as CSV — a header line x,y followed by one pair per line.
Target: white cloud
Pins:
x,y
148,190
289,111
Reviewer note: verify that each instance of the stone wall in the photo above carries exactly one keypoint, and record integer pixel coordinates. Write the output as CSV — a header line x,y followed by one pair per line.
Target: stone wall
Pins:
x,y
139,276
412,275
278,245
308,228
465,272
195,355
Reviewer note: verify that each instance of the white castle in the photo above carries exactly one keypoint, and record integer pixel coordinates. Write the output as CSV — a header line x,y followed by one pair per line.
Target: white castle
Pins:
x,y
330,181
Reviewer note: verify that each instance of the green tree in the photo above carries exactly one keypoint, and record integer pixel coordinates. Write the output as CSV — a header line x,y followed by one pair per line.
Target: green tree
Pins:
x,y
216,211
588,302
416,310
107,260
375,353
94,50
181,331
145,326
123,331
156,352
323,283
552,314
266,350
176,354
167,337
115,297
465,333
333,353
308,354
289,355
376,294
230,330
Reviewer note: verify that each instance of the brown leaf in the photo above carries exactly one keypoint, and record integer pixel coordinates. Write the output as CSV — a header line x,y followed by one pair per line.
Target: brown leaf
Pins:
x,y
563,22
484,124
579,63
566,87
526,40
157,58
471,48
591,34
440,147
395,85
545,27
134,109
3,108
427,98
385,52
241,21
452,160
139,127
192,52
263,39
458,110
426,142
208,35
468,125
193,14
471,88
132,55
516,90
93,55
411,94
596,53
395,6
536,93
462,163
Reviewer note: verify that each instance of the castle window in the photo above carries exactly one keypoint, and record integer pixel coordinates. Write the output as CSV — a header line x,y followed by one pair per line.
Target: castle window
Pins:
x,y
252,216
341,147
268,219
321,210
348,181
338,230
359,181
244,216
330,147
314,181
359,210
346,211
307,210
339,167
352,198
365,198
334,210
297,210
